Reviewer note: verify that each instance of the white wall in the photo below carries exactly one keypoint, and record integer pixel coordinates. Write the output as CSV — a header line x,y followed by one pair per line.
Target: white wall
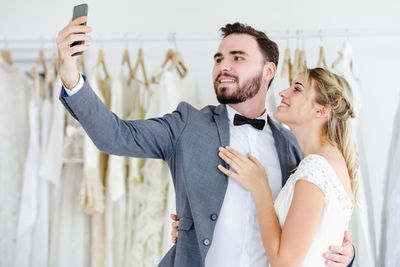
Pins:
x,y
377,57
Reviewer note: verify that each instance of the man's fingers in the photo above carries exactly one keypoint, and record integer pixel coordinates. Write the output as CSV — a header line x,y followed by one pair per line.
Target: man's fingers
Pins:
x,y
335,257
337,250
78,21
71,30
347,239
333,264
78,48
74,38
173,217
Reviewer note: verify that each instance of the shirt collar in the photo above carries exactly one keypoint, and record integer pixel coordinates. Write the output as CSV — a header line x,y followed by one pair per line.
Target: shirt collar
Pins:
x,y
232,112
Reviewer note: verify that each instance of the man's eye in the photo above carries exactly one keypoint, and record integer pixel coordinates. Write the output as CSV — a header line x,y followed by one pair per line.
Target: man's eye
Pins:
x,y
218,60
239,58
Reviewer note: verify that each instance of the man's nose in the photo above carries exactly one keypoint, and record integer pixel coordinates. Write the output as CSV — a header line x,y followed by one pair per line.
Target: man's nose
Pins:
x,y
226,67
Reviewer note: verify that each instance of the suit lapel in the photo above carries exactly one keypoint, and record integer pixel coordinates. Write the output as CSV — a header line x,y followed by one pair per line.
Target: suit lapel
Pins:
x,y
282,148
222,122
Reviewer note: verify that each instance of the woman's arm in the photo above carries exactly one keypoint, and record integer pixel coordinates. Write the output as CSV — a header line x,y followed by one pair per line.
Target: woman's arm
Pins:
x,y
287,246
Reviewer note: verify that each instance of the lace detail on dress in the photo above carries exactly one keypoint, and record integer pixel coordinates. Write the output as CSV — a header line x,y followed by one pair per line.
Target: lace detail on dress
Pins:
x,y
316,169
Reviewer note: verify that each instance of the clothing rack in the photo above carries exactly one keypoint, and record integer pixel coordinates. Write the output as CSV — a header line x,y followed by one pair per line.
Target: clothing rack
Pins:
x,y
172,37
22,44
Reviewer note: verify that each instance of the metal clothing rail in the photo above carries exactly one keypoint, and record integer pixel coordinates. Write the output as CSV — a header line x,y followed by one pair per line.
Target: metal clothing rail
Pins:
x,y
286,34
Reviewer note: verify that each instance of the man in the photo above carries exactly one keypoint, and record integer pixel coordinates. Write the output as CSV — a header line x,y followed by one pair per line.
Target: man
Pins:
x,y
218,226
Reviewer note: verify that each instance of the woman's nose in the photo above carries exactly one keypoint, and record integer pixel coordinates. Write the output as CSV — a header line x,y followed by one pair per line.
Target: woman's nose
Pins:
x,y
283,93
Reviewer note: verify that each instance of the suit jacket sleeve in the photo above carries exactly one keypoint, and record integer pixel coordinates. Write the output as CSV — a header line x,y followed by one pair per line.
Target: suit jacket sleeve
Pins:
x,y
152,138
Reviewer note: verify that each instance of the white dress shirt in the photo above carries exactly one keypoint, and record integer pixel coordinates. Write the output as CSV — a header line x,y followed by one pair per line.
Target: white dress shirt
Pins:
x,y
237,238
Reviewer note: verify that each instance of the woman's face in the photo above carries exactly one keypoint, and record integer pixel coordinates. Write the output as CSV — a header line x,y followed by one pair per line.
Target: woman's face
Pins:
x,y
298,106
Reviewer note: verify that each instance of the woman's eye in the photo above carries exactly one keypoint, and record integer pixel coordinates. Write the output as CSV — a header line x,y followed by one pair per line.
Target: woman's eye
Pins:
x,y
296,89
238,58
218,60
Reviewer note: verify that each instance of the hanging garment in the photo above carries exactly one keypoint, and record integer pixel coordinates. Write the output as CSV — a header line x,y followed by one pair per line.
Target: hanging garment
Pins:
x,y
337,205
116,177
92,195
30,210
390,247
16,90
52,160
137,192
70,227
281,82
153,239
362,227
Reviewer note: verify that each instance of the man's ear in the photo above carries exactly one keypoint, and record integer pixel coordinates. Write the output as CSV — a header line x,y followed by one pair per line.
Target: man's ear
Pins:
x,y
269,71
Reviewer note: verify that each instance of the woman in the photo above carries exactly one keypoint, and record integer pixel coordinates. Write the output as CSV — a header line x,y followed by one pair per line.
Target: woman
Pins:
x,y
314,207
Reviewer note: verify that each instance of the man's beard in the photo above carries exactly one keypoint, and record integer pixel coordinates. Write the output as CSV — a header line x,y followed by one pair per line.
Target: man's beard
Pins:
x,y
249,89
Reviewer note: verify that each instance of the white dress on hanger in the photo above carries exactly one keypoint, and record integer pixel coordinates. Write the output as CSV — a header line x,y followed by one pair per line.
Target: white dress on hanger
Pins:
x,y
337,205
137,191
362,226
390,246
122,99
70,227
26,252
16,90
152,241
92,195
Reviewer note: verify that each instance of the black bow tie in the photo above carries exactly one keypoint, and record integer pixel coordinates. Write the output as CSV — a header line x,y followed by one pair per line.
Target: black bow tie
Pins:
x,y
256,123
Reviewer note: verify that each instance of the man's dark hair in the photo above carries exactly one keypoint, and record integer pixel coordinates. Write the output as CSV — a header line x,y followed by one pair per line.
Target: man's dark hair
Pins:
x,y
268,48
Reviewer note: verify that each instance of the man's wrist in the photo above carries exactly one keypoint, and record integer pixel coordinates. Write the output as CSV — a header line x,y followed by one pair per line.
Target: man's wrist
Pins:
x,y
74,90
71,85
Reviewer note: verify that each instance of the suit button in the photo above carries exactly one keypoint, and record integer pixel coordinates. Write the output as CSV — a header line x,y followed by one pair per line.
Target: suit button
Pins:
x,y
206,242
213,217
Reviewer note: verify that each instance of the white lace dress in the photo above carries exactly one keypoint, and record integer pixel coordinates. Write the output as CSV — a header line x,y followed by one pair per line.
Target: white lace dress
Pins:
x,y
337,207
15,90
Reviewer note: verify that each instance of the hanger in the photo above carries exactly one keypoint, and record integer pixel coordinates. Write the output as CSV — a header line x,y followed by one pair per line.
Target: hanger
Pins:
x,y
337,61
140,62
295,66
54,64
6,55
100,60
177,63
125,59
81,64
287,65
322,59
168,57
302,61
39,62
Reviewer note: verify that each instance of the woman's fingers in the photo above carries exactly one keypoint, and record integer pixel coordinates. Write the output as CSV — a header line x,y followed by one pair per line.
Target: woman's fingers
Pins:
x,y
224,154
236,154
254,160
228,172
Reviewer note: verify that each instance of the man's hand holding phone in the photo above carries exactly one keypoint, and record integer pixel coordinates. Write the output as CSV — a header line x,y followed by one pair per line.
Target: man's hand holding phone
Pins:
x,y
73,32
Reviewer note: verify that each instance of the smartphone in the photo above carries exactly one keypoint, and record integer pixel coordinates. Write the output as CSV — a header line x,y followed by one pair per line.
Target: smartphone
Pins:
x,y
79,11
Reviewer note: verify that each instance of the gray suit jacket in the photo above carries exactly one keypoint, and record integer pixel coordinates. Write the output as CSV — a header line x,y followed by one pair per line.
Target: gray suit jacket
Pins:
x,y
188,140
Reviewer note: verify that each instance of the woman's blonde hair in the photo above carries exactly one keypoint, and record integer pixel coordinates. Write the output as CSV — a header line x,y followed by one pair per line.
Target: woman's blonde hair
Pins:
x,y
335,91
